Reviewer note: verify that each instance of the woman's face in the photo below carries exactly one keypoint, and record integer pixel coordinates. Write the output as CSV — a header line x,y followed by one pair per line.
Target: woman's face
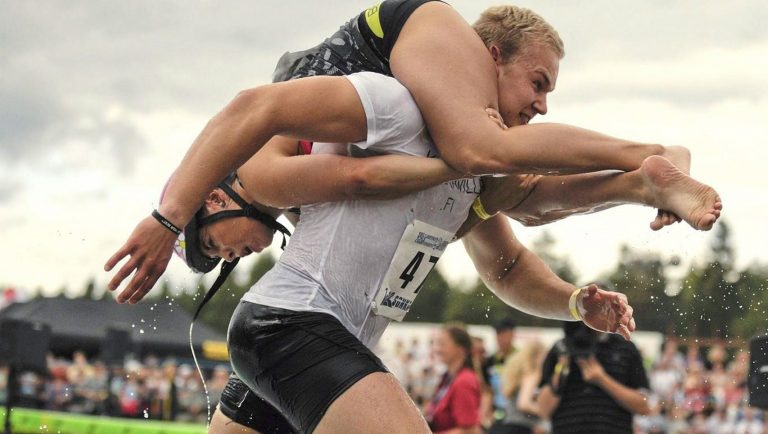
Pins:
x,y
234,238
446,349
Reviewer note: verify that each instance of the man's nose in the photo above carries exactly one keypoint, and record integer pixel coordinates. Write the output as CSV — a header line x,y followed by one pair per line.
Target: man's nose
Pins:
x,y
229,255
540,105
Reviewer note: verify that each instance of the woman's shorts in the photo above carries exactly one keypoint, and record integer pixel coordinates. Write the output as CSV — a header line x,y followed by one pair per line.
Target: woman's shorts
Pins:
x,y
297,362
364,43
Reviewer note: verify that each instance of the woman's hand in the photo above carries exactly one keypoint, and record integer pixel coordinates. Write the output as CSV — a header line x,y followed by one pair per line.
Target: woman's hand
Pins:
x,y
150,247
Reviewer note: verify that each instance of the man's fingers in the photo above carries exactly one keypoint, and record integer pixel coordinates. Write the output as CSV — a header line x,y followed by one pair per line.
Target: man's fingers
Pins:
x,y
626,318
148,283
142,285
135,284
117,257
624,332
124,272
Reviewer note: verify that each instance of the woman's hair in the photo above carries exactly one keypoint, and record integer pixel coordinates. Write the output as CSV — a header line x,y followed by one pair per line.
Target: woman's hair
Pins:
x,y
513,28
522,363
460,337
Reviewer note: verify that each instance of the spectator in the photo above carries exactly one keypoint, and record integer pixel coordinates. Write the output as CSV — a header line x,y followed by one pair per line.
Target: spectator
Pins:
x,y
455,406
696,390
494,364
167,393
93,391
592,383
216,385
192,399
665,380
521,376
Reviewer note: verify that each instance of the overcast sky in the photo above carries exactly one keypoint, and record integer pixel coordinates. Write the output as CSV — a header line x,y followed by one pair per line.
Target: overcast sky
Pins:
x,y
99,101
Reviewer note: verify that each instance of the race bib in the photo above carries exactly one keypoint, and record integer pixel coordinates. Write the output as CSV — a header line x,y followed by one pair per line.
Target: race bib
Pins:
x,y
415,256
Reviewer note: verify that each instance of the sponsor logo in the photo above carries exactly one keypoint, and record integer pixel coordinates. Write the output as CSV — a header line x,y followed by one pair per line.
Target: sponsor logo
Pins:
x,y
448,205
394,301
431,241
467,185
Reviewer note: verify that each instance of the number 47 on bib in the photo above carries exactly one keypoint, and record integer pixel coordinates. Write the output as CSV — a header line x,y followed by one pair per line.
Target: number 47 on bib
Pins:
x,y
420,247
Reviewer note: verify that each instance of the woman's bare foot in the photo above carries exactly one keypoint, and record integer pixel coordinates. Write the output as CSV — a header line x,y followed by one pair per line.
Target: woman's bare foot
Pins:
x,y
664,218
672,190
680,156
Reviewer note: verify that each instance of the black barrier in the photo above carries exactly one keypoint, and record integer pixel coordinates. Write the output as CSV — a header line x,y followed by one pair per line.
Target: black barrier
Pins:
x,y
115,346
758,372
23,347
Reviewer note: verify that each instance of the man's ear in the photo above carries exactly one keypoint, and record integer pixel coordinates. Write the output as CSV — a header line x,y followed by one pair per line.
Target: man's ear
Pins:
x,y
496,53
216,201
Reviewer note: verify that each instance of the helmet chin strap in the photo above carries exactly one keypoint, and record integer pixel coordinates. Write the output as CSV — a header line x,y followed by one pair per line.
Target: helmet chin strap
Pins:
x,y
246,210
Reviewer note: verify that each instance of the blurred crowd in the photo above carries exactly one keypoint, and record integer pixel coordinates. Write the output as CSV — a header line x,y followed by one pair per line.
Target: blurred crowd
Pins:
x,y
699,390
149,389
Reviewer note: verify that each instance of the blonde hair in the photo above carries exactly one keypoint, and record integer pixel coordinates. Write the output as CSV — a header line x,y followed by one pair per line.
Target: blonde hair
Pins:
x,y
522,363
513,28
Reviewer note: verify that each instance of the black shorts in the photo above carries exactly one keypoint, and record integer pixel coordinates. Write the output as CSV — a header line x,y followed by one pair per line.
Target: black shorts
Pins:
x,y
297,362
364,43
244,407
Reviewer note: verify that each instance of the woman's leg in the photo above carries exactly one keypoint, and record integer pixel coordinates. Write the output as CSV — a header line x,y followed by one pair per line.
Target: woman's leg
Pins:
x,y
452,77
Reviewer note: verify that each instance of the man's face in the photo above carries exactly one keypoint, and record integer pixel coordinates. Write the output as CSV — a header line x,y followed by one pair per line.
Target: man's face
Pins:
x,y
234,237
524,83
504,340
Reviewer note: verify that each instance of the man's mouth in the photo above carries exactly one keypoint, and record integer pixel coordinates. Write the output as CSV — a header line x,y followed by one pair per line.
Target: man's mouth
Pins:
x,y
524,119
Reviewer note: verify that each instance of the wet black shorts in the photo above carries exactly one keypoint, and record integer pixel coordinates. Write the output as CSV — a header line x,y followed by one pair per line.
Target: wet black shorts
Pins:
x,y
244,407
364,43
297,362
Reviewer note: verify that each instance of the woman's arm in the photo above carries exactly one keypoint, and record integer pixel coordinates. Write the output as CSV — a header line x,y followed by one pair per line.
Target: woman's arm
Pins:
x,y
525,401
276,176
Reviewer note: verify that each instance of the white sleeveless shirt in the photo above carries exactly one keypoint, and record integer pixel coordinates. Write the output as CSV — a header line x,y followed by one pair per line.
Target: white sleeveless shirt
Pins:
x,y
340,252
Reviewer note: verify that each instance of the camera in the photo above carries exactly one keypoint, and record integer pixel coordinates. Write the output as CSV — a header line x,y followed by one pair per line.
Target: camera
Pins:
x,y
580,340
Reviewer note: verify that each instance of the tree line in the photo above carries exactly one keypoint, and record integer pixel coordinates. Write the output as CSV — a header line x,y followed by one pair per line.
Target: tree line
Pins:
x,y
710,300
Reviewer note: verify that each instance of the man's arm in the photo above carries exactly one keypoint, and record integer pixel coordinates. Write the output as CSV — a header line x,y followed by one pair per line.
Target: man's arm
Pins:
x,y
516,275
631,399
522,280
551,376
547,401
229,139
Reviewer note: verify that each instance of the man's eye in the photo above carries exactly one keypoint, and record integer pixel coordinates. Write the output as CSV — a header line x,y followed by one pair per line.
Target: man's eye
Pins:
x,y
538,85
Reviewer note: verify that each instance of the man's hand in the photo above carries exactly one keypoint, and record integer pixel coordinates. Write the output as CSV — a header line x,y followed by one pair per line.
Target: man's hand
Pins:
x,y
150,247
606,311
591,370
504,193
560,373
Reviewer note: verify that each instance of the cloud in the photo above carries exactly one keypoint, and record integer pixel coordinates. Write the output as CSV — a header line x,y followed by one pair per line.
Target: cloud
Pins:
x,y
700,77
66,67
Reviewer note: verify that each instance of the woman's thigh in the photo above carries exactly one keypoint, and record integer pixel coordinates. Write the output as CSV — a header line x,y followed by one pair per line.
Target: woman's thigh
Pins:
x,y
449,71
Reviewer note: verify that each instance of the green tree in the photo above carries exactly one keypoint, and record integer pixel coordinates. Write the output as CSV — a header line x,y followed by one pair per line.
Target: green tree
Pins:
x,y
432,299
751,291
709,294
544,247
641,277
89,293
